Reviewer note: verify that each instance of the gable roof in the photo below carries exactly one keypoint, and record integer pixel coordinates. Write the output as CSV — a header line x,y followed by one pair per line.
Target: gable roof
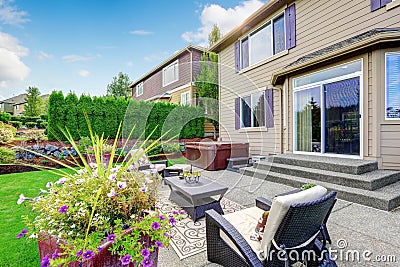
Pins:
x,y
248,24
167,62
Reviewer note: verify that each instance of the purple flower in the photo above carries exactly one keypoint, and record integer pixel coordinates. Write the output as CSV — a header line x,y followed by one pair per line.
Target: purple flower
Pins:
x,y
147,262
88,255
45,261
99,249
63,209
18,236
112,193
175,212
24,232
126,259
79,253
158,244
172,220
143,189
155,226
111,237
162,218
145,253
55,254
182,212
121,185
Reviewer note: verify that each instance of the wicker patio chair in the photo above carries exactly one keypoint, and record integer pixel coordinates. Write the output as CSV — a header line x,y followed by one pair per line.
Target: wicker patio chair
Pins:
x,y
300,229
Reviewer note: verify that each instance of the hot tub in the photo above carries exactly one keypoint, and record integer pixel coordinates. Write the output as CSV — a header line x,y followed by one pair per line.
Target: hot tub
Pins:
x,y
213,155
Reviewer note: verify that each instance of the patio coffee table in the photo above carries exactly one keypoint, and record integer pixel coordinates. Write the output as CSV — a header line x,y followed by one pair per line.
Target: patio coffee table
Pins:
x,y
198,197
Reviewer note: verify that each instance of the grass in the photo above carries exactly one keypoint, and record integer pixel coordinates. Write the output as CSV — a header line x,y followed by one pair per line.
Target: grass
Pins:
x,y
177,161
19,252
19,138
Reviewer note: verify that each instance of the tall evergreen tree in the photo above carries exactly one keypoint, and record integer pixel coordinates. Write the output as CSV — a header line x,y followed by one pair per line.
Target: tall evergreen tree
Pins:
x,y
34,103
119,87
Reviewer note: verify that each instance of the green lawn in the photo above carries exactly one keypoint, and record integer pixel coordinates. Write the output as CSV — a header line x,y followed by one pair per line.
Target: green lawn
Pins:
x,y
176,161
18,252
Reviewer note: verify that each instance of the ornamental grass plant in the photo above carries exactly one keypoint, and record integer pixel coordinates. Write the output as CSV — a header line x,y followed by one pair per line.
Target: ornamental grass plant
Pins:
x,y
97,207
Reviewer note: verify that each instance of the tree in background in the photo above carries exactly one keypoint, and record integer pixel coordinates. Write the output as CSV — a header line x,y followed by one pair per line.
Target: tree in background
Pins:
x,y
207,81
119,87
214,35
34,103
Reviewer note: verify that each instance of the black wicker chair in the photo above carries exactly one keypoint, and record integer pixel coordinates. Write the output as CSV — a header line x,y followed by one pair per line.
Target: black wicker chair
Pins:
x,y
301,229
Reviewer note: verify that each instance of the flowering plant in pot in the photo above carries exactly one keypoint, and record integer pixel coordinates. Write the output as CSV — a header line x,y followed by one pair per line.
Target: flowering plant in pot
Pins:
x,y
96,209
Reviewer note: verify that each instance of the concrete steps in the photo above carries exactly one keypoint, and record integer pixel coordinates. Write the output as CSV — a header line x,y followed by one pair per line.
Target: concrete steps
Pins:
x,y
355,180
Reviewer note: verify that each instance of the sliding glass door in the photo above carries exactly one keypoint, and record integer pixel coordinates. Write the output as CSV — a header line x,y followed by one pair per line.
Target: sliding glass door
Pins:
x,y
327,111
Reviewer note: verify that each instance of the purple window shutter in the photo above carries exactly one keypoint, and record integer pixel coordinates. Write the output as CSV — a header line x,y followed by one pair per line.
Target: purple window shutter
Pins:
x,y
269,108
290,21
385,2
375,4
237,56
245,53
237,113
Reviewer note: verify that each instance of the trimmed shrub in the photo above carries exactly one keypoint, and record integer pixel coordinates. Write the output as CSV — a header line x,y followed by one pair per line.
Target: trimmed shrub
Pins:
x,y
84,106
5,117
71,115
16,124
7,155
44,117
56,116
31,125
42,125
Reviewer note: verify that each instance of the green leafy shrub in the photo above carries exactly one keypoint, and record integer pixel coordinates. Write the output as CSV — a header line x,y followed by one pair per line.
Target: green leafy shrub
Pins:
x,y
16,124
35,135
84,143
6,133
171,148
7,155
30,125
42,125
44,117
5,117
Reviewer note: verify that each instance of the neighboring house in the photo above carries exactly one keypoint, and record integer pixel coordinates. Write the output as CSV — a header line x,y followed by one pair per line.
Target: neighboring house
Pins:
x,y
314,77
171,81
16,105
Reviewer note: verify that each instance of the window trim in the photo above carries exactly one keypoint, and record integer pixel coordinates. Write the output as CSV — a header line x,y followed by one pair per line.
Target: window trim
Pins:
x,y
188,98
138,87
176,62
252,114
247,36
386,100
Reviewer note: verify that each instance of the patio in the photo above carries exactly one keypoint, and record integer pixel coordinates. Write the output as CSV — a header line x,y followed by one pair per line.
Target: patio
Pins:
x,y
359,229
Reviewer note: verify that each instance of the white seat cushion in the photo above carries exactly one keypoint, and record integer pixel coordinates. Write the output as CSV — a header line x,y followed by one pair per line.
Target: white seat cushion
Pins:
x,y
184,167
159,167
279,208
245,222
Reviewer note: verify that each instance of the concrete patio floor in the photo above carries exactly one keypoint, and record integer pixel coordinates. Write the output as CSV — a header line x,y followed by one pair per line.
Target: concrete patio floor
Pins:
x,y
356,229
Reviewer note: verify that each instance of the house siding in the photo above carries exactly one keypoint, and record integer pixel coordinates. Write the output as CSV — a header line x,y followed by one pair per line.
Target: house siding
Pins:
x,y
318,25
176,96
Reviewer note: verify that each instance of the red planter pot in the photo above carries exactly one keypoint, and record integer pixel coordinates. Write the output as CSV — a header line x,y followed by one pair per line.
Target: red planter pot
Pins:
x,y
104,258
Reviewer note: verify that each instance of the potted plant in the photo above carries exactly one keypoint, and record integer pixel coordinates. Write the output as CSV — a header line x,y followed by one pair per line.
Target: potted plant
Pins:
x,y
99,215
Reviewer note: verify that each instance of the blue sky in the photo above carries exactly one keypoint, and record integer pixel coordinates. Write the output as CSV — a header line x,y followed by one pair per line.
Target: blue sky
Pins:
x,y
81,45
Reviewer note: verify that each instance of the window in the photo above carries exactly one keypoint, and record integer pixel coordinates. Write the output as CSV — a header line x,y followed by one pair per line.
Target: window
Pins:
x,y
376,4
185,99
252,110
170,73
139,89
392,86
16,107
264,42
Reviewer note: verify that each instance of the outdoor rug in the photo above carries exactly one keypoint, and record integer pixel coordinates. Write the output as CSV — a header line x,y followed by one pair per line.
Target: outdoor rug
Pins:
x,y
189,238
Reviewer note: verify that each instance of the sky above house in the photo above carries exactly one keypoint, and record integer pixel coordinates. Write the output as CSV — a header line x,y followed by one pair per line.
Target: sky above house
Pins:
x,y
80,45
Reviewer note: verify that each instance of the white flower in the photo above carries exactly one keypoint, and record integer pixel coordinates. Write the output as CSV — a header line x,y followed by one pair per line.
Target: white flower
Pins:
x,y
143,189
21,199
72,226
131,168
93,165
112,193
95,175
121,185
112,177
81,171
49,184
32,236
61,180
152,166
79,181
148,181
114,170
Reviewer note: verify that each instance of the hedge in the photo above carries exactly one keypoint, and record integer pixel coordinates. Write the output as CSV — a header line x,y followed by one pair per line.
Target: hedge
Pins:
x,y
5,117
16,124
106,113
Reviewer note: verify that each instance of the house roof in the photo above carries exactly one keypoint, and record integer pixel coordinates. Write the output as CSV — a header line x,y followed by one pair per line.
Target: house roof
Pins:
x,y
347,46
256,18
15,99
167,62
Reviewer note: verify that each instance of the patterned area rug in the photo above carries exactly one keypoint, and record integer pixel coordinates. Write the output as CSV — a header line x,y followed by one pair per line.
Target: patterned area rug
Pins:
x,y
189,238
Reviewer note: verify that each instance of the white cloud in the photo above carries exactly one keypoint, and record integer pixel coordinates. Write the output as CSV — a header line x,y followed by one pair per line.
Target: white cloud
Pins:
x,y
43,56
129,64
140,32
78,58
11,65
9,14
83,73
226,19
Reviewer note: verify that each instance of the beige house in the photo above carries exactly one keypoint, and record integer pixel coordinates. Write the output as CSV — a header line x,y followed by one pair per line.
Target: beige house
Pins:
x,y
315,78
16,104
